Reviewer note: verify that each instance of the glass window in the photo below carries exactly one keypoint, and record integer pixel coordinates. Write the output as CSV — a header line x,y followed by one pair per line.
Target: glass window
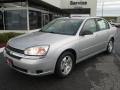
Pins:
x,y
63,26
14,4
16,20
34,19
90,25
1,21
51,17
34,5
45,19
102,24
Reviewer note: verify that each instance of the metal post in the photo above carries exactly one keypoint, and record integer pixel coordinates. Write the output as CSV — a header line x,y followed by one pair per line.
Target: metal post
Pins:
x,y
81,4
102,9
28,24
3,16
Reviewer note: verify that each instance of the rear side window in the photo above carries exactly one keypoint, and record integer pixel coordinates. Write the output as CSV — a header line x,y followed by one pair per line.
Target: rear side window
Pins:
x,y
102,24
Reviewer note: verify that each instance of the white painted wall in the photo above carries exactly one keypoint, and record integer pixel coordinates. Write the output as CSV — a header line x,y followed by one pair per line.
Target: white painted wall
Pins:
x,y
90,4
56,3
65,4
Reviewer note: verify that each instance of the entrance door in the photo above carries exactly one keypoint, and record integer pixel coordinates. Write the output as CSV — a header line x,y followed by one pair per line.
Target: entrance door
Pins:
x,y
45,19
1,21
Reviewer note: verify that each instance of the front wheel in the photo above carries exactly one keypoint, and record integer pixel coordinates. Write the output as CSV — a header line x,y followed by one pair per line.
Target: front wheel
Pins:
x,y
64,64
110,46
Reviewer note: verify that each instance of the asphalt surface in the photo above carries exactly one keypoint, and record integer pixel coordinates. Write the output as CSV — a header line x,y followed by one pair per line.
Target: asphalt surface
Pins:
x,y
101,72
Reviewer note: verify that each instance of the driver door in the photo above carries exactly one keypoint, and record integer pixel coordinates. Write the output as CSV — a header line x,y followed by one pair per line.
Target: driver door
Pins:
x,y
87,43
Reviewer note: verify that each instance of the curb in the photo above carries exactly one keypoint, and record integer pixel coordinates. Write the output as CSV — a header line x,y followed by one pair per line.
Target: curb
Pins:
x,y
1,49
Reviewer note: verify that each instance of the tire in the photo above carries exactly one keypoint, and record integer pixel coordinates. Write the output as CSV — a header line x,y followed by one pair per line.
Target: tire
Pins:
x,y
110,47
64,65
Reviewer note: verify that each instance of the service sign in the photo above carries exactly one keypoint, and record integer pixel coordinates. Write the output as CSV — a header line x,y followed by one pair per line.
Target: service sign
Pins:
x,y
78,3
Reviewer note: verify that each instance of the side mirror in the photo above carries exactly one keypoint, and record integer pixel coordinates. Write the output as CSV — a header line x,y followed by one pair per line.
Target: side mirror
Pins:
x,y
86,33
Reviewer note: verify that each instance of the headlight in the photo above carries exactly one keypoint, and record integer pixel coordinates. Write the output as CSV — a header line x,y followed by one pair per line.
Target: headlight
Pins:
x,y
38,50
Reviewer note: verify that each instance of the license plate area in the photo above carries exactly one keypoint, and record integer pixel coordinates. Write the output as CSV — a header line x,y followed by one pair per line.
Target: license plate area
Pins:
x,y
9,62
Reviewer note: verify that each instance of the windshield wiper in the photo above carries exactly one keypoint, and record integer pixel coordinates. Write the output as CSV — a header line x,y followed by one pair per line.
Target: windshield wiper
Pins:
x,y
51,32
47,31
43,31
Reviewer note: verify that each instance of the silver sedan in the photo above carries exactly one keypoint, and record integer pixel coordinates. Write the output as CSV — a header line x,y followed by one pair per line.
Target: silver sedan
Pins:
x,y
59,45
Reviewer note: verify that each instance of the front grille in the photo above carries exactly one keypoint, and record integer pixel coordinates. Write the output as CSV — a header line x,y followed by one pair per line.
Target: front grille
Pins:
x,y
8,52
8,49
15,50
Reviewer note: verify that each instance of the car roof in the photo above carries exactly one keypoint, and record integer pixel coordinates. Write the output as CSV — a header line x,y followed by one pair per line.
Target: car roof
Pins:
x,y
81,17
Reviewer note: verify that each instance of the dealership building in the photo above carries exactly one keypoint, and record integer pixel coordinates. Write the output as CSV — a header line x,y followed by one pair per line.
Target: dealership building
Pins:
x,y
28,15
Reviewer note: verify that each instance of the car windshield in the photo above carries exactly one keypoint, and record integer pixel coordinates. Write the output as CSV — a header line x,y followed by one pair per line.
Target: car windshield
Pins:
x,y
63,26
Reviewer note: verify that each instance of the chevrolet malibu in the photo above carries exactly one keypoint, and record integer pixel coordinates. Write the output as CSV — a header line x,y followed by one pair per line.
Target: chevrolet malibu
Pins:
x,y
59,45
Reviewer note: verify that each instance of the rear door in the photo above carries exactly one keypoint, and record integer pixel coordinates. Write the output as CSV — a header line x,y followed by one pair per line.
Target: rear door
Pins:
x,y
102,34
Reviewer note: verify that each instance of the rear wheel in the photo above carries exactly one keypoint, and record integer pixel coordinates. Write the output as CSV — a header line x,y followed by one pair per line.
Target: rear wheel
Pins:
x,y
110,46
64,64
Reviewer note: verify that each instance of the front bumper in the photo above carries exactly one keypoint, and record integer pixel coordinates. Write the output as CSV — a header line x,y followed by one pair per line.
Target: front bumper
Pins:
x,y
31,66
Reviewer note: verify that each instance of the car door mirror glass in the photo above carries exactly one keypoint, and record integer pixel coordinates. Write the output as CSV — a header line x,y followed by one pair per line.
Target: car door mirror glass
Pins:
x,y
86,32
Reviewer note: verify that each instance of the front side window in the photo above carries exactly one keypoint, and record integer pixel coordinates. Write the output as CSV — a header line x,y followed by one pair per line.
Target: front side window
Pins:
x,y
63,26
102,24
90,25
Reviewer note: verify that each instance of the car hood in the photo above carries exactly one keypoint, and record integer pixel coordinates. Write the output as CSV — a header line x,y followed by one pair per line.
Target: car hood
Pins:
x,y
37,38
